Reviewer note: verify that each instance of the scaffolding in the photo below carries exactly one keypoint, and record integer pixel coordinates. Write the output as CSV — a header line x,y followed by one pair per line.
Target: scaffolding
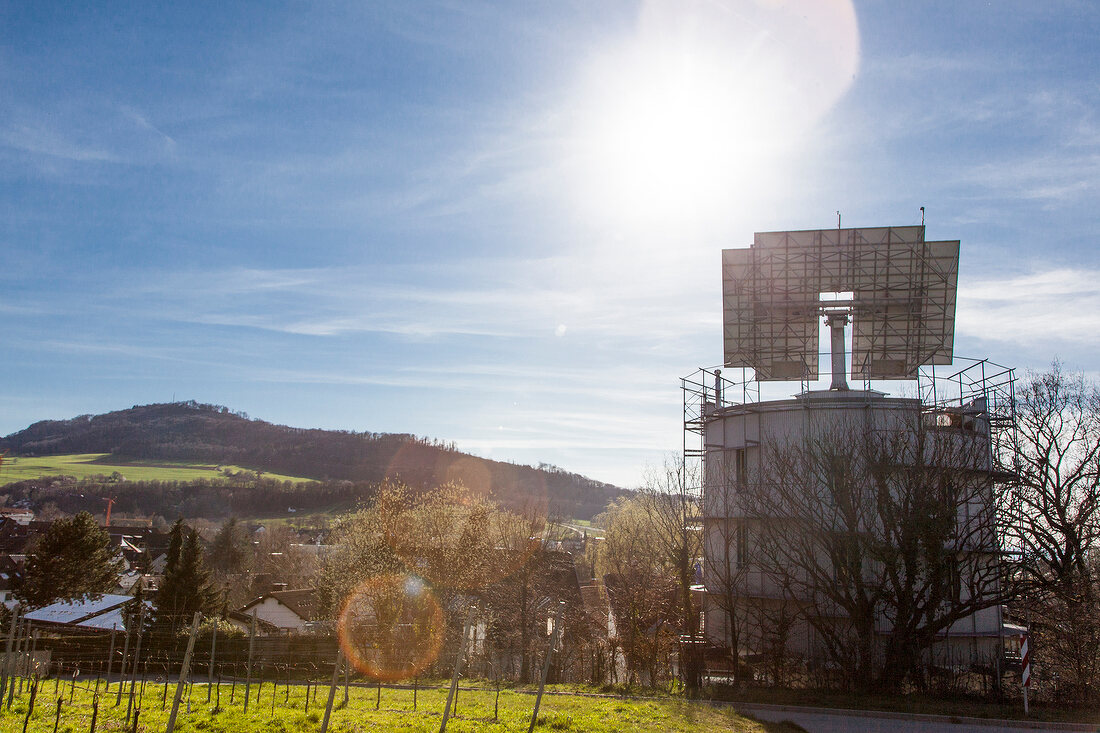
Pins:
x,y
980,388
706,391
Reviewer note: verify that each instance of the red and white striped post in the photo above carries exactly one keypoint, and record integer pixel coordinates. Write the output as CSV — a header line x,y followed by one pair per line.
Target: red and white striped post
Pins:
x,y
1025,668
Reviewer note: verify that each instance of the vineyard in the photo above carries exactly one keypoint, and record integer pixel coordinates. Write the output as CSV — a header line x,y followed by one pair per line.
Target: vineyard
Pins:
x,y
129,682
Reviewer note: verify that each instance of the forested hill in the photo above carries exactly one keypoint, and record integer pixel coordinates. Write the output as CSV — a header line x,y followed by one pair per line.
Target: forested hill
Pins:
x,y
195,432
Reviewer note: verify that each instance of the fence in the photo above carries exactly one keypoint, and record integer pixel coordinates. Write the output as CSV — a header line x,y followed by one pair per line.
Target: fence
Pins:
x,y
144,678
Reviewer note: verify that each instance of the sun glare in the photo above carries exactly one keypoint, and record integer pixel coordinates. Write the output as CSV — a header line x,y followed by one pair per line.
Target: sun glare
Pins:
x,y
698,106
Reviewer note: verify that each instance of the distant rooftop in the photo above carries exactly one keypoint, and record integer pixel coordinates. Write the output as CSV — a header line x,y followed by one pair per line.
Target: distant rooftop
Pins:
x,y
98,613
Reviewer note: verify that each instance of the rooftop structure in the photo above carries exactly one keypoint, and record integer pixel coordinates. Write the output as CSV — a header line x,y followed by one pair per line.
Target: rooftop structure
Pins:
x,y
897,288
897,291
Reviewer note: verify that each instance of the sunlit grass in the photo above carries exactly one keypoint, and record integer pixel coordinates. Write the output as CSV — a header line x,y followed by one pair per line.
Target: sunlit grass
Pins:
x,y
477,710
87,465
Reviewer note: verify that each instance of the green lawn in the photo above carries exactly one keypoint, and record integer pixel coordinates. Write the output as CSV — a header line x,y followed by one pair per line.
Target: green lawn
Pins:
x,y
83,465
395,713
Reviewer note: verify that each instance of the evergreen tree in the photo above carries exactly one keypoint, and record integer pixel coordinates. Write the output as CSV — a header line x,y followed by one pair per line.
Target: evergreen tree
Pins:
x,y
74,558
186,585
175,546
230,549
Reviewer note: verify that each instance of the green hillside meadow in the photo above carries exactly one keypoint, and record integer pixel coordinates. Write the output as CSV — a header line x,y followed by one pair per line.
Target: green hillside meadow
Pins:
x,y
478,710
85,465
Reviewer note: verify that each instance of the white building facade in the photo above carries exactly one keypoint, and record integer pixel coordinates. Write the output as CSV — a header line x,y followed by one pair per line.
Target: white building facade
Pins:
x,y
771,520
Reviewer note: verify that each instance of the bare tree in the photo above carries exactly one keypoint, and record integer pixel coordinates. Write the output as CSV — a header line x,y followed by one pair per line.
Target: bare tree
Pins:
x,y
461,548
1054,513
521,592
881,536
392,627
642,589
673,509
364,547
280,555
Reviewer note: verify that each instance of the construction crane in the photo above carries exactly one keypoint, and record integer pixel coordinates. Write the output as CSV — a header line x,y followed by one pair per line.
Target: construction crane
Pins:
x,y
110,502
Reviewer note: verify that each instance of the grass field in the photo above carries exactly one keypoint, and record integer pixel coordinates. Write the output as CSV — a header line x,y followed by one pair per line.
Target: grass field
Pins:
x,y
475,711
84,465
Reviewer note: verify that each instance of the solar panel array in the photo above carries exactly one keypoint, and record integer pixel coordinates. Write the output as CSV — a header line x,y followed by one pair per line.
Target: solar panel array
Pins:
x,y
902,300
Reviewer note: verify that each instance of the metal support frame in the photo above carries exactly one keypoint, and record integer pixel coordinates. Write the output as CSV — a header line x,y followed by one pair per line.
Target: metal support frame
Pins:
x,y
903,300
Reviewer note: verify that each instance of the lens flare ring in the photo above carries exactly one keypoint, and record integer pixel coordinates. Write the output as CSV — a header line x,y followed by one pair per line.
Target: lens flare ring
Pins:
x,y
391,627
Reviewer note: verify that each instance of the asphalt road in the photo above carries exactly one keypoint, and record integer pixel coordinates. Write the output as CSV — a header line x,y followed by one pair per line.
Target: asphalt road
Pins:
x,y
817,722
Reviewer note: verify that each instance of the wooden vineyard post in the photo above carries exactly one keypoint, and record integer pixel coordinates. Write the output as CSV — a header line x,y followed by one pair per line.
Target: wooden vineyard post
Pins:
x,y
7,651
110,657
546,665
134,664
144,676
183,673
332,689
496,701
458,670
122,668
15,664
210,668
7,666
30,707
164,692
251,650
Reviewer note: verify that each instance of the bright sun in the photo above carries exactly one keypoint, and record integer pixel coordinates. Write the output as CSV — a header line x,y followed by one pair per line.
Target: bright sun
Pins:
x,y
693,109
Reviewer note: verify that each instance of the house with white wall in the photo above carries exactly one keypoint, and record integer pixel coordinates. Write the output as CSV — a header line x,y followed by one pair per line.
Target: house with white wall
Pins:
x,y
288,610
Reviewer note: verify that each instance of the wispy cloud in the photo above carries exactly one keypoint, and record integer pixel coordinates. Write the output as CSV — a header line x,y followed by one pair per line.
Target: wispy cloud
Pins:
x,y
43,141
500,298
1050,178
1050,307
918,65
85,130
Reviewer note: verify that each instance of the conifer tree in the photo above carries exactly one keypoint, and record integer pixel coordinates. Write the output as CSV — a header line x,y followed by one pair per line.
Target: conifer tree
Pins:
x,y
74,558
186,585
175,545
231,547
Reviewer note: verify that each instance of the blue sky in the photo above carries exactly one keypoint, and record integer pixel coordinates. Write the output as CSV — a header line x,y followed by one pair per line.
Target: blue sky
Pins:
x,y
500,223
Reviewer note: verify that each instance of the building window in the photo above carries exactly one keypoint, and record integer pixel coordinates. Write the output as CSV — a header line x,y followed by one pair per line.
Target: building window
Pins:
x,y
739,469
